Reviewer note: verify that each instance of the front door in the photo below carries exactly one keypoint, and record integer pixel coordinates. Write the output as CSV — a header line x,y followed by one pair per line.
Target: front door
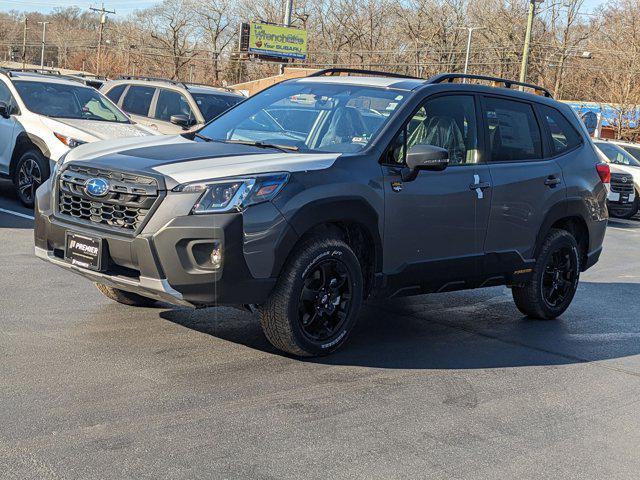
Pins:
x,y
7,130
435,224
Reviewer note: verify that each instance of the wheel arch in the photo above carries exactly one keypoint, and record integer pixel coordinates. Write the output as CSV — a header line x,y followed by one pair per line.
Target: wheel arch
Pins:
x,y
25,141
350,218
569,216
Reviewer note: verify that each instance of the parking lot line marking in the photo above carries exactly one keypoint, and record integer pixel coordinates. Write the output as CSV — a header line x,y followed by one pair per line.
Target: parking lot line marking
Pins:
x,y
17,214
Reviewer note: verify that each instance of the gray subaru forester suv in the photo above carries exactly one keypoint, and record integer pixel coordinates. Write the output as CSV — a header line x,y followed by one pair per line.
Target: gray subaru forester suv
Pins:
x,y
321,192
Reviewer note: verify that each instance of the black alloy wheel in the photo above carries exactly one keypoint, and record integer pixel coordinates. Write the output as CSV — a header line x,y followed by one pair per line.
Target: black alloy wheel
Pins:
x,y
29,179
559,277
325,299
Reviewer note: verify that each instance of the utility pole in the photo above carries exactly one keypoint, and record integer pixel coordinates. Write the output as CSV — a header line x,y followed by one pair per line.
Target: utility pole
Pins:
x,y
466,58
103,20
24,43
287,23
527,41
44,36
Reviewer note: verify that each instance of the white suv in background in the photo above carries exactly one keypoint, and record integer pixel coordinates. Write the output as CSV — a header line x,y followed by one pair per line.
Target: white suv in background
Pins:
x,y
42,116
624,162
169,106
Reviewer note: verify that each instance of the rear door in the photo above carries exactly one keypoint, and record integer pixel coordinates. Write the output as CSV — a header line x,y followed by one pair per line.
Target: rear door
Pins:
x,y
525,184
434,232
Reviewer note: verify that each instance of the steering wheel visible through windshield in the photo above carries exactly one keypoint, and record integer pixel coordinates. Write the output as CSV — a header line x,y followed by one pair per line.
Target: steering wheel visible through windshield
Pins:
x,y
62,100
309,116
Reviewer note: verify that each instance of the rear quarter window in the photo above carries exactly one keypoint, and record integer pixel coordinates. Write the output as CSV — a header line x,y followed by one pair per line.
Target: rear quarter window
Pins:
x,y
564,136
115,93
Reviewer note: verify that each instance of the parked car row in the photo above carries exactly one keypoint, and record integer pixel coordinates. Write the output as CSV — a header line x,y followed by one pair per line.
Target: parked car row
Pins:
x,y
43,114
624,158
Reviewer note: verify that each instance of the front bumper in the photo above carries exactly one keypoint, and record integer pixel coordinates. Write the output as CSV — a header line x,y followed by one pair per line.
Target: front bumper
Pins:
x,y
168,260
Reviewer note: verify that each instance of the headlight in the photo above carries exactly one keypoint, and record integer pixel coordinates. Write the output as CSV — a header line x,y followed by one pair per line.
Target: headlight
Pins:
x,y
234,193
68,141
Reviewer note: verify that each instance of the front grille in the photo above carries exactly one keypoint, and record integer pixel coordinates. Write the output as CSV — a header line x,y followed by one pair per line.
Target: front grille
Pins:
x,y
618,183
125,207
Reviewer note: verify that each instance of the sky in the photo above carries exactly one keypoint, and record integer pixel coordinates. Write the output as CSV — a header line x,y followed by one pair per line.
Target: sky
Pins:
x,y
125,7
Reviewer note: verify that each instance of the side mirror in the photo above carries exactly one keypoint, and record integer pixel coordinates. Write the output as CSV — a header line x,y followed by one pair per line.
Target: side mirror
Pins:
x,y
181,120
424,157
5,111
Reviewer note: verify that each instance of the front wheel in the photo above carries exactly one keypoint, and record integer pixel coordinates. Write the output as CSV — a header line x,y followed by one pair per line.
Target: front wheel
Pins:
x,y
315,303
124,297
555,278
31,170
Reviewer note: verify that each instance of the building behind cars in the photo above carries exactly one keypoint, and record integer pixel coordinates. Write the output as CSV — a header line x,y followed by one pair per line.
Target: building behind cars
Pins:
x,y
42,116
169,106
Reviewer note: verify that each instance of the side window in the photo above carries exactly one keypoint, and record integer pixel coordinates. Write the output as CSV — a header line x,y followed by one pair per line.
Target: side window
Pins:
x,y
563,136
448,122
171,103
138,100
514,134
115,93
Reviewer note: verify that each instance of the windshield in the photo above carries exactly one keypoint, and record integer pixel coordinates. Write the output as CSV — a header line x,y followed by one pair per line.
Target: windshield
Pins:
x,y
212,105
309,116
617,155
68,101
635,151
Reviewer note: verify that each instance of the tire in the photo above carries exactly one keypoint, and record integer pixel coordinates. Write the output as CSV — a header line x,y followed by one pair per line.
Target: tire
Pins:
x,y
124,297
537,298
314,306
31,170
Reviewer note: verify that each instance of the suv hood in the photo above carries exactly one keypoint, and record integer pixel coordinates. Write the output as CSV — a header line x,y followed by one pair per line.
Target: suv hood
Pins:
x,y
180,160
91,130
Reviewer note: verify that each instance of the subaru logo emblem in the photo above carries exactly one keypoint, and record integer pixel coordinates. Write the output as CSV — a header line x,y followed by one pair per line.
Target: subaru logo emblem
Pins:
x,y
624,179
96,187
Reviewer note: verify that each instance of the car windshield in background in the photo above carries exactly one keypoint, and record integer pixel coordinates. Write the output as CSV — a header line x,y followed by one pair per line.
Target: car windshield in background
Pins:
x,y
635,151
61,100
309,116
617,155
212,105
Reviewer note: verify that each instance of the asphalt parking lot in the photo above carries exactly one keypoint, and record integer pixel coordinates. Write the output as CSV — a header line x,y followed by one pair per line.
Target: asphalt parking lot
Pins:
x,y
455,385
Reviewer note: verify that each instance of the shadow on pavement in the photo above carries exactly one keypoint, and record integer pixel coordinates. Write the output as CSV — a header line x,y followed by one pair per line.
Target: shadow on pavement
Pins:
x,y
462,330
9,201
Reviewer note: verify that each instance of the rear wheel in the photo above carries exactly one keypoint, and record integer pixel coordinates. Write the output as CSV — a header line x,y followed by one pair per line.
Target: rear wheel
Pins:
x,y
31,170
124,297
314,306
555,278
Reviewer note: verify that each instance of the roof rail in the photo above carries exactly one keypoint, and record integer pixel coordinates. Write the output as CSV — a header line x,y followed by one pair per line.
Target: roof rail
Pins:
x,y
194,84
40,71
151,79
332,71
450,77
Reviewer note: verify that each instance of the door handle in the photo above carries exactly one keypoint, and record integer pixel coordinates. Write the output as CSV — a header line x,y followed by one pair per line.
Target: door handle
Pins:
x,y
480,185
552,181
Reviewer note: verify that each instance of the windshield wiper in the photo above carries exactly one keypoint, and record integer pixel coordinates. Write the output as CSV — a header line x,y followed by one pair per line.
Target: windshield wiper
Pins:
x,y
202,137
284,148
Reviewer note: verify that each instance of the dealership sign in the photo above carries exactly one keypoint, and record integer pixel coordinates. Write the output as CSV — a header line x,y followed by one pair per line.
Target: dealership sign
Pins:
x,y
277,41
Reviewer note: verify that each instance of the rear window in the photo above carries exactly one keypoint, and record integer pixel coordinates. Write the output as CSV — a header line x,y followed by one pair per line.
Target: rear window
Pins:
x,y
563,136
514,134
138,100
